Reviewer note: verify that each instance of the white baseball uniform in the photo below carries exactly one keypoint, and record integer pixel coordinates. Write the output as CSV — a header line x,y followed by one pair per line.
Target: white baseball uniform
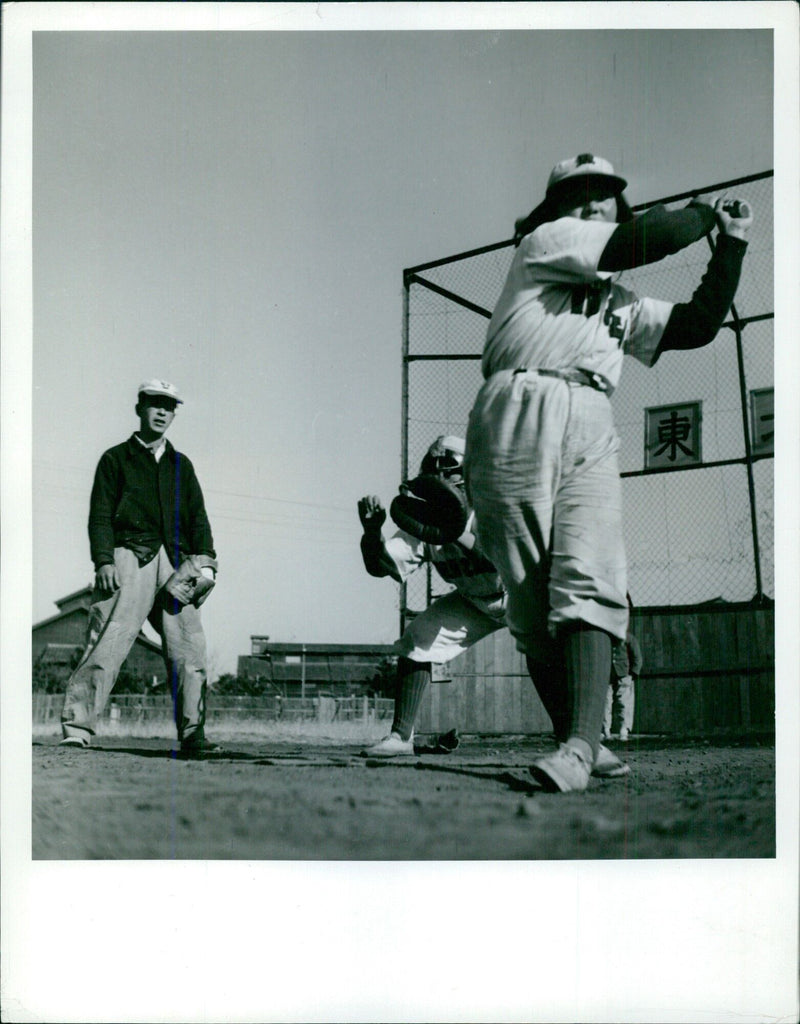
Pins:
x,y
452,623
541,463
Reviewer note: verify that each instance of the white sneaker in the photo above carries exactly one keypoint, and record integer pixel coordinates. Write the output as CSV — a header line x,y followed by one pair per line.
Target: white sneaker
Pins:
x,y
608,766
392,745
566,771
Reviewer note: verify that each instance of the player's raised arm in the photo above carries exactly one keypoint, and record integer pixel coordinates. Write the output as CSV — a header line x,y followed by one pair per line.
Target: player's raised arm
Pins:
x,y
696,323
377,561
655,234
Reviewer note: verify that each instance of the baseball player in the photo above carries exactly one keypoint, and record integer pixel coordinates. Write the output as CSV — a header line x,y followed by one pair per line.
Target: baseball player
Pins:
x,y
452,623
455,622
541,459
626,664
154,559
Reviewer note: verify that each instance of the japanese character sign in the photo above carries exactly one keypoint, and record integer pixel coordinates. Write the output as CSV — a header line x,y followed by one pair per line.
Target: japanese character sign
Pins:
x,y
673,436
762,418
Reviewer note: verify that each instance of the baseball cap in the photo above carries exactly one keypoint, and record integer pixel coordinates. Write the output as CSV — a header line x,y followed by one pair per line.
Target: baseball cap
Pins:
x,y
160,387
582,165
568,173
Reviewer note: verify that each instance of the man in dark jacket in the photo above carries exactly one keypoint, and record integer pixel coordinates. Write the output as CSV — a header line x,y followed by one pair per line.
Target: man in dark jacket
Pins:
x,y
147,517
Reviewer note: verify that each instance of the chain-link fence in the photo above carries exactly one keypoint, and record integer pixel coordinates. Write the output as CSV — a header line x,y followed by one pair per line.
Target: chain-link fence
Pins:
x,y
696,430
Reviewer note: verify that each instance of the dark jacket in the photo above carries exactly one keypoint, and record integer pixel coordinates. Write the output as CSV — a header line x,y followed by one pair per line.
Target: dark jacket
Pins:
x,y
140,504
626,657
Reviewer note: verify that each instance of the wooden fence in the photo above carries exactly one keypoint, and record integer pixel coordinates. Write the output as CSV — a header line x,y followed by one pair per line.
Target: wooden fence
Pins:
x,y
707,670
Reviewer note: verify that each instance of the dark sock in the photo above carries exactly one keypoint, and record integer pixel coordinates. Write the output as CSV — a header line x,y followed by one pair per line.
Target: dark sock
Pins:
x,y
587,658
549,681
412,679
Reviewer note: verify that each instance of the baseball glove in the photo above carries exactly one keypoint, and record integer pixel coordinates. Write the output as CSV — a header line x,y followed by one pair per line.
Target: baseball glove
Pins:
x,y
188,584
430,508
443,743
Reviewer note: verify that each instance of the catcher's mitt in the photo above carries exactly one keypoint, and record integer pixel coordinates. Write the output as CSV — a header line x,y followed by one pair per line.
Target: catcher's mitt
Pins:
x,y
443,743
188,584
430,508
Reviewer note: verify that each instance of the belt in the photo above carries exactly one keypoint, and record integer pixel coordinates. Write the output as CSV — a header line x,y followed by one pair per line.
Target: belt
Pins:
x,y
588,378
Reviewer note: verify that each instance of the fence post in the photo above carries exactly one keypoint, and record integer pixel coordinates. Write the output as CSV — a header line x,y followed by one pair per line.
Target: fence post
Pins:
x,y
404,425
748,449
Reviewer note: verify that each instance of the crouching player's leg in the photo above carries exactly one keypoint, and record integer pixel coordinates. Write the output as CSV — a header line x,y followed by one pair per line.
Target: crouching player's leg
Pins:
x,y
412,682
450,626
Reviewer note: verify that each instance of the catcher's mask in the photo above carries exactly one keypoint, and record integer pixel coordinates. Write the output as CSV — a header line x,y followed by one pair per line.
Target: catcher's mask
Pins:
x,y
445,457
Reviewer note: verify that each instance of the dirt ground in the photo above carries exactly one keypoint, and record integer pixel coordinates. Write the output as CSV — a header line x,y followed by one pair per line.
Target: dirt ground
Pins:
x,y
130,798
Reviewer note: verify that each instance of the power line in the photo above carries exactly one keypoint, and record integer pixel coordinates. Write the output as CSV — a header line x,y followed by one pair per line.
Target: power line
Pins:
x,y
206,490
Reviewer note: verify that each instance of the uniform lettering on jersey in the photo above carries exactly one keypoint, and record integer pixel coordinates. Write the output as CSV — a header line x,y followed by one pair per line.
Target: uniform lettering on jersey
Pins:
x,y
586,299
615,324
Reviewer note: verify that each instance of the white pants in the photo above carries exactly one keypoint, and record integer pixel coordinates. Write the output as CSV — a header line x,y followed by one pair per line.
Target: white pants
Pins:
x,y
114,624
620,699
447,628
542,476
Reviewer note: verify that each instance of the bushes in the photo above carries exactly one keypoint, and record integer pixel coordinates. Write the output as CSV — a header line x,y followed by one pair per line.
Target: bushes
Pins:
x,y
52,678
243,686
49,679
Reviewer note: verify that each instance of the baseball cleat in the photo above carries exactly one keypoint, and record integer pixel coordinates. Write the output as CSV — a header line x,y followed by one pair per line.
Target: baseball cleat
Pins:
x,y
608,766
392,745
565,771
75,741
198,747
208,750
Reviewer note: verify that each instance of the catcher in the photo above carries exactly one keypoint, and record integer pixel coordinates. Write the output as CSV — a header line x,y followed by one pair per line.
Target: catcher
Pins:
x,y
432,507
154,559
437,526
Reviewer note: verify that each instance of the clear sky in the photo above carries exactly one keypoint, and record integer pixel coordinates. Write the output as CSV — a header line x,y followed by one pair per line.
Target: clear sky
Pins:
x,y
233,211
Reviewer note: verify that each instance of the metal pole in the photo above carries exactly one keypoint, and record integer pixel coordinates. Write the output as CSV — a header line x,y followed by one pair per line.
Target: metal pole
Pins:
x,y
303,672
736,326
751,486
404,423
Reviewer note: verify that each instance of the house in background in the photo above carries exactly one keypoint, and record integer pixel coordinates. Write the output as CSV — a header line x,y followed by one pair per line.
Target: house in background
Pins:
x,y
311,670
57,642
